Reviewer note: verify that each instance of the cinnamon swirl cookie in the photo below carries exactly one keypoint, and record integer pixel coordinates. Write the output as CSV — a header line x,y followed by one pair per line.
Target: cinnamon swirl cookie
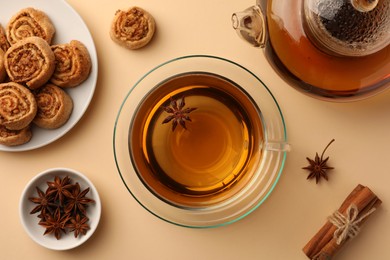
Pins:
x,y
29,22
30,61
17,106
133,28
54,107
73,64
3,73
4,44
14,137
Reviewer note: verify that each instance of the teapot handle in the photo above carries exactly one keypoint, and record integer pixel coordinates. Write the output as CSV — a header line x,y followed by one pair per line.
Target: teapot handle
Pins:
x,y
250,25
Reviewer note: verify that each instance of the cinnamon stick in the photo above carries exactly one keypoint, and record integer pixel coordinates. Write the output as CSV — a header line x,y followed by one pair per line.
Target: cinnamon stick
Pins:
x,y
324,245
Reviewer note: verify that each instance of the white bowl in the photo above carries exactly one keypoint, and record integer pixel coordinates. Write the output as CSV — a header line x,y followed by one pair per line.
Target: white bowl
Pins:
x,y
30,221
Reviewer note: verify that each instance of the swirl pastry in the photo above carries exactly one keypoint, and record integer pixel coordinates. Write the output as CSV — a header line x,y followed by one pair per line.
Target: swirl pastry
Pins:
x,y
3,73
133,28
14,137
54,107
30,61
73,64
29,22
17,106
4,44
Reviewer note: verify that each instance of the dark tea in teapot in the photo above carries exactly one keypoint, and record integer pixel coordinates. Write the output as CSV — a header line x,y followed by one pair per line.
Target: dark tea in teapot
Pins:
x,y
329,49
319,72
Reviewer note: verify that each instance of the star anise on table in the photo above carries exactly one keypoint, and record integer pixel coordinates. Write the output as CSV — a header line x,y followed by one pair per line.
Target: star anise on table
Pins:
x,y
78,225
318,167
55,224
179,114
77,201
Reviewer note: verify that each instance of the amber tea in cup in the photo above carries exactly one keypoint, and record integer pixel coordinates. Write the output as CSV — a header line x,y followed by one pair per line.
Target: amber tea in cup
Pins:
x,y
221,160
196,139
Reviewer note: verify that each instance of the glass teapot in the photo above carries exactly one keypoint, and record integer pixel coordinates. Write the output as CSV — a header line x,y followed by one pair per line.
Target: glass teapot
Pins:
x,y
335,50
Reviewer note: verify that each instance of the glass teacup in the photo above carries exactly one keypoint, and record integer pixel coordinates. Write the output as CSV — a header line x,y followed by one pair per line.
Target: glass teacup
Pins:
x,y
200,141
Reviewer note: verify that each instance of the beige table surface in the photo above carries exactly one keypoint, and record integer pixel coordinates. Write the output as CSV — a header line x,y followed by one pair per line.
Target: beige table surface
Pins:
x,y
280,227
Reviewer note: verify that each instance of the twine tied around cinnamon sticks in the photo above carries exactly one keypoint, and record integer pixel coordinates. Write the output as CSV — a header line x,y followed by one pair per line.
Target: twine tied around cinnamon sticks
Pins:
x,y
342,225
347,225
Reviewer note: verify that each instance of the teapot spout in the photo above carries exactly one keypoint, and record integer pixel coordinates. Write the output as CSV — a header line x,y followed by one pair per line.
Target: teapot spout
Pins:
x,y
250,25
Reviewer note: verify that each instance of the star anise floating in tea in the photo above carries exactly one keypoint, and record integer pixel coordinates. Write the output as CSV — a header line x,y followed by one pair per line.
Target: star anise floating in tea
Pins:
x,y
318,167
62,207
178,114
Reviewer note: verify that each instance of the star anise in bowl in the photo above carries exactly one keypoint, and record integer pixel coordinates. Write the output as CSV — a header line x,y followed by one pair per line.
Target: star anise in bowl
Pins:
x,y
62,207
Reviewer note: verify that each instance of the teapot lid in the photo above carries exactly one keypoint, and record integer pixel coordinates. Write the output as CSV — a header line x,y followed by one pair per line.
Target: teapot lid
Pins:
x,y
348,27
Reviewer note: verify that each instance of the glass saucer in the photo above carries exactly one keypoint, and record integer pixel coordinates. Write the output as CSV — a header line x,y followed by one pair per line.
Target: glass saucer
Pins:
x,y
262,183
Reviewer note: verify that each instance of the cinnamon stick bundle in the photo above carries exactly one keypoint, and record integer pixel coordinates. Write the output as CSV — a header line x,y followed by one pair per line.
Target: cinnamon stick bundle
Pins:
x,y
325,244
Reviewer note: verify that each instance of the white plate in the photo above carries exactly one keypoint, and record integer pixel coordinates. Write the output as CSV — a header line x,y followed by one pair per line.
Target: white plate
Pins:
x,y
30,221
69,26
